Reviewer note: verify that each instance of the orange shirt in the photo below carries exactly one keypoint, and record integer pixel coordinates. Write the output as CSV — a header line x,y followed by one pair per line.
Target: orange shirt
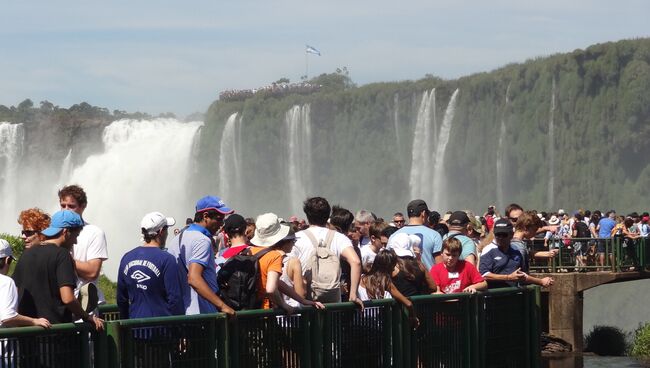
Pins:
x,y
271,261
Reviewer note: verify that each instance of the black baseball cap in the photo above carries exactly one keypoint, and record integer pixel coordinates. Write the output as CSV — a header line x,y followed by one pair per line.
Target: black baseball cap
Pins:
x,y
415,207
502,226
235,223
458,218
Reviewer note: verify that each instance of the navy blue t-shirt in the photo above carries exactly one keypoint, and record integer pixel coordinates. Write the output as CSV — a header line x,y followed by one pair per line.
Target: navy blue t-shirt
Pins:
x,y
501,263
148,284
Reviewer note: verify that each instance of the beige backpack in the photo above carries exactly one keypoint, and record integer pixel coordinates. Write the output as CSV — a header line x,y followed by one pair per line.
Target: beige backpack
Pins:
x,y
324,266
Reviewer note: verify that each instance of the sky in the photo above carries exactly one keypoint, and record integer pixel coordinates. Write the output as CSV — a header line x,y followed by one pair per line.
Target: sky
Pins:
x,y
172,56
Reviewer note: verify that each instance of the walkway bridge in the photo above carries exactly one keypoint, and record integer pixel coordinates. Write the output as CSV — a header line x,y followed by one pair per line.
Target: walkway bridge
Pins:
x,y
563,302
498,328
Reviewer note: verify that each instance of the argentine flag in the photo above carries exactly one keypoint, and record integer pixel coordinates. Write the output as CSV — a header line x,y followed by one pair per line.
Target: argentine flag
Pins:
x,y
312,50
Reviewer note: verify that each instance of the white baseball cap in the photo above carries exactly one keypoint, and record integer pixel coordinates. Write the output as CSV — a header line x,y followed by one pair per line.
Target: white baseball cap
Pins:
x,y
154,221
402,245
5,249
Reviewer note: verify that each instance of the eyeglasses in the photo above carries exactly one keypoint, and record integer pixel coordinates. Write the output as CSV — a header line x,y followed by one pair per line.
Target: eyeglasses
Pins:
x,y
513,219
399,221
29,233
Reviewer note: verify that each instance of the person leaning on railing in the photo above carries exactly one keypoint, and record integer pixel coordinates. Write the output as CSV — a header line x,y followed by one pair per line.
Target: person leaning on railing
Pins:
x,y
9,317
45,275
502,265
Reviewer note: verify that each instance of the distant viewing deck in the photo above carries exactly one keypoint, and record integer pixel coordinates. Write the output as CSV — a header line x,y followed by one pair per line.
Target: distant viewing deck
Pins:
x,y
273,90
497,328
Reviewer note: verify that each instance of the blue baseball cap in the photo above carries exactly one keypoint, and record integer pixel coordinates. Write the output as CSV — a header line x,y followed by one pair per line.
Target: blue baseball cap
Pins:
x,y
213,203
65,219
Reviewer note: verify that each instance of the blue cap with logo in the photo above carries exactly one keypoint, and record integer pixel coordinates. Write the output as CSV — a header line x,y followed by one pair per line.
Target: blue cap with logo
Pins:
x,y
65,219
213,203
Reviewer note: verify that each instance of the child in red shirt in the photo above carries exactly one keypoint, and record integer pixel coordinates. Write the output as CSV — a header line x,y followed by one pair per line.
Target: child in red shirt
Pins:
x,y
453,275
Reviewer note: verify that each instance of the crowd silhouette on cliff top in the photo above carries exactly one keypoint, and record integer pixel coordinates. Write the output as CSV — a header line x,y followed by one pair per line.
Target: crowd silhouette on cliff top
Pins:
x,y
221,261
271,90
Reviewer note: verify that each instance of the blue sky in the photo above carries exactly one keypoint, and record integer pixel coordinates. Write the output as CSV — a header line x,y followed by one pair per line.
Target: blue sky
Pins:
x,y
159,56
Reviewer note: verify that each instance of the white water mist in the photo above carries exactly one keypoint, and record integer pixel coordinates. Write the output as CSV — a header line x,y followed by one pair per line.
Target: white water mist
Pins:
x,y
501,153
422,152
551,151
145,167
230,158
12,138
299,155
439,177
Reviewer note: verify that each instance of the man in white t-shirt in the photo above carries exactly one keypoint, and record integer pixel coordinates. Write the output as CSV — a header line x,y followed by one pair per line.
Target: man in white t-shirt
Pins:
x,y
91,250
363,219
318,211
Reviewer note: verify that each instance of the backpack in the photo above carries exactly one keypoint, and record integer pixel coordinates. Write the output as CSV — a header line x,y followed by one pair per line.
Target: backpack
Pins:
x,y
239,279
582,230
324,270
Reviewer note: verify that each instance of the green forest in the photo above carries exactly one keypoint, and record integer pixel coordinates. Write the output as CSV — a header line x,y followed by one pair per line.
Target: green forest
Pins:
x,y
362,136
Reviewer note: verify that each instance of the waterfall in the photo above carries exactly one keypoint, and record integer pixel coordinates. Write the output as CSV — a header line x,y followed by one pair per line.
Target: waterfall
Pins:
x,y
230,158
551,151
299,155
145,167
11,148
441,147
421,152
396,123
66,170
501,153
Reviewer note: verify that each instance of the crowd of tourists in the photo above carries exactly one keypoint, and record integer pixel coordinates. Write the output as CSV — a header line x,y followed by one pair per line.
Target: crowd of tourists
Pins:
x,y
223,262
272,90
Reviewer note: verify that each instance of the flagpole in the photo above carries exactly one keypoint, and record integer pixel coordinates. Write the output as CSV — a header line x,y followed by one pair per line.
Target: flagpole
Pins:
x,y
306,65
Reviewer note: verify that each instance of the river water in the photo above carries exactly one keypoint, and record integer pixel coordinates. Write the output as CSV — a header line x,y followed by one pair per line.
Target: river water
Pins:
x,y
589,361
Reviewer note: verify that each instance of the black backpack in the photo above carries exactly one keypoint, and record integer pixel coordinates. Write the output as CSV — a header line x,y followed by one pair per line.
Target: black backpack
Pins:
x,y
239,278
582,230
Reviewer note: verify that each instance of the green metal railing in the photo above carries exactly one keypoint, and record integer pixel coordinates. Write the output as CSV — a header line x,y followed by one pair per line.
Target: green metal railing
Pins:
x,y
619,255
63,345
498,328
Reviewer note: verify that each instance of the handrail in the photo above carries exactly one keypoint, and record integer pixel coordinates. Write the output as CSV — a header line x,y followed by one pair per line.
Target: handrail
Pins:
x,y
338,334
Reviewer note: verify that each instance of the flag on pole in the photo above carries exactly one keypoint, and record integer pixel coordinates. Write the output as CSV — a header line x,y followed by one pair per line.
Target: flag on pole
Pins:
x,y
312,50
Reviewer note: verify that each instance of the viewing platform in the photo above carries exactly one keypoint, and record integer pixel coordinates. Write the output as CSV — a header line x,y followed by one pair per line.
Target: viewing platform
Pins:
x,y
497,328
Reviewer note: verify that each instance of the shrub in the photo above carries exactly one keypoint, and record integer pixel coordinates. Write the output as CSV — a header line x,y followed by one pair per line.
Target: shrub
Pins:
x,y
16,243
641,345
606,340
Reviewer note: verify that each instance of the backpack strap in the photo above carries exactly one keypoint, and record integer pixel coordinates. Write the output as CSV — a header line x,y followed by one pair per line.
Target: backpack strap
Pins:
x,y
261,253
312,238
328,238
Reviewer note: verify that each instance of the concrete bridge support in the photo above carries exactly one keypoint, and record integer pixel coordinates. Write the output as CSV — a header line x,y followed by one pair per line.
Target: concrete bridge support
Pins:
x,y
565,301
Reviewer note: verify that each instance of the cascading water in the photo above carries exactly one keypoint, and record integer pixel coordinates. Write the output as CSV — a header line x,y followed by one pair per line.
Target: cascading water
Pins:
x,y
66,169
441,147
145,167
12,137
299,155
551,151
421,152
501,153
396,123
230,158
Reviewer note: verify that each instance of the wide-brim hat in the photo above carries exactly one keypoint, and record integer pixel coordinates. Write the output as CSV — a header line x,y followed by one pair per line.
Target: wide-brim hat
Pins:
x,y
270,231
553,220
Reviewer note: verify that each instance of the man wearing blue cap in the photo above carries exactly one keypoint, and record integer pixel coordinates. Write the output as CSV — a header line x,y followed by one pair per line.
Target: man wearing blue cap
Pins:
x,y
194,252
45,275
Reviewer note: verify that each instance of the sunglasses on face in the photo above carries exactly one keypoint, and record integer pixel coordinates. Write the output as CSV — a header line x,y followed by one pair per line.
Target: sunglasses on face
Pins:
x,y
502,235
29,233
